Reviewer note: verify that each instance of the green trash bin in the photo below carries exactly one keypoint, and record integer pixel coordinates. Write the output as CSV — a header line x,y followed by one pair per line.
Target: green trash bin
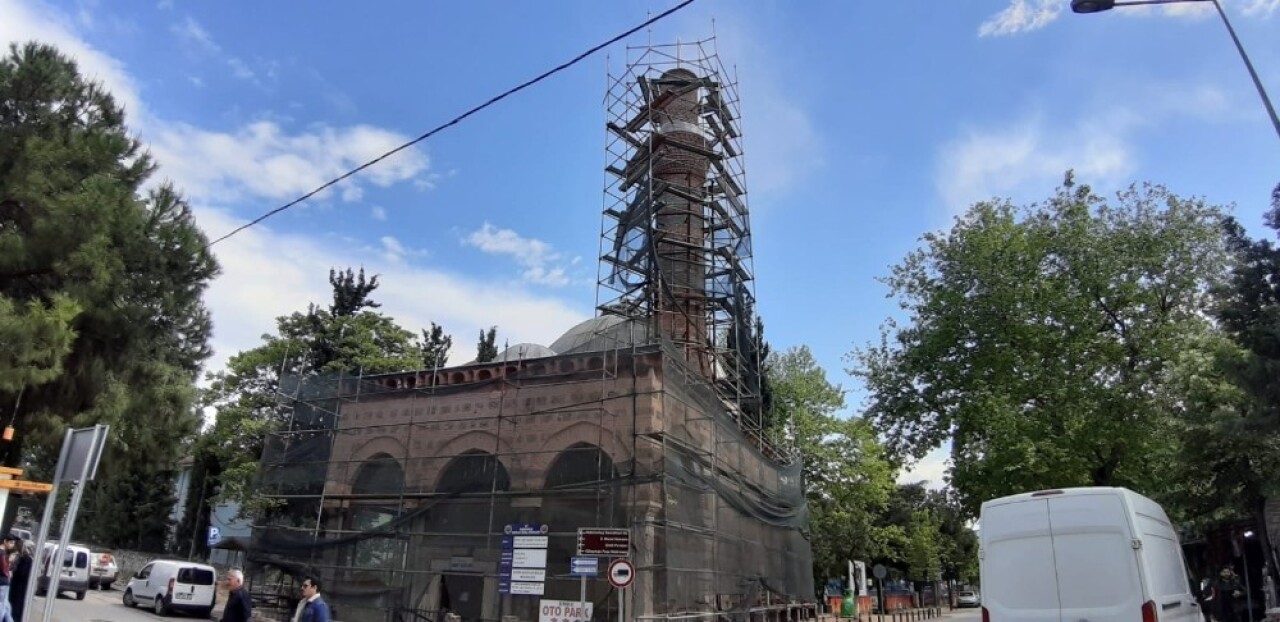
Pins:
x,y
849,608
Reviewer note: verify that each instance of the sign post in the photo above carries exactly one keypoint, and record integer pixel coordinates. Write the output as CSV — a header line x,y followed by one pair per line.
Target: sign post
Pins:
x,y
583,567
621,574
77,465
880,572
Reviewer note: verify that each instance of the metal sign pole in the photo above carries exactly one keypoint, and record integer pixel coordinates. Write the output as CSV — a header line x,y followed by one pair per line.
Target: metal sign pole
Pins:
x,y
50,505
87,470
582,590
620,617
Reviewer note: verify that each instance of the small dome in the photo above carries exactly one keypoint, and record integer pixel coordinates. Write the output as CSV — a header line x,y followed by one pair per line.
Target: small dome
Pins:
x,y
601,333
523,351
520,352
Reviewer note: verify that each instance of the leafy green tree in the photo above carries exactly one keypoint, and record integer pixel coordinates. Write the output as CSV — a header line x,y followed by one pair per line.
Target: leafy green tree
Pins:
x,y
101,284
1229,394
487,348
1039,339
435,346
845,474
924,550
250,397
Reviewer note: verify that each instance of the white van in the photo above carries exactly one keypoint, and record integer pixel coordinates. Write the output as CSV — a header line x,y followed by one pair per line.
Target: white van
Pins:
x,y
1096,554
169,585
74,574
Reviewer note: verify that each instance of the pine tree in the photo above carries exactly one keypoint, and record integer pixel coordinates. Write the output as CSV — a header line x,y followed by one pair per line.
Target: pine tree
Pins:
x,y
101,288
435,347
487,349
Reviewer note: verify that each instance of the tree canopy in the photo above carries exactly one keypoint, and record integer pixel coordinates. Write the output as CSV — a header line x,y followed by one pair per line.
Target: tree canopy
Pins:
x,y
102,275
1039,339
846,477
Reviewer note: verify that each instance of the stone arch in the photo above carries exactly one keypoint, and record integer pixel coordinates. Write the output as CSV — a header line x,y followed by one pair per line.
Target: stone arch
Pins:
x,y
580,463
466,503
474,471
389,445
589,433
583,491
380,474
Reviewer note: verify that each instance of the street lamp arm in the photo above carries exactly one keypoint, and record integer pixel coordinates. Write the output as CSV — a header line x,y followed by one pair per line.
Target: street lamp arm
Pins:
x,y
1141,2
1262,92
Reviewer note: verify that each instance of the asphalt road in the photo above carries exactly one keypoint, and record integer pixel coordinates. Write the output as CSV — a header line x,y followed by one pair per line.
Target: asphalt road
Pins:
x,y
97,606
100,606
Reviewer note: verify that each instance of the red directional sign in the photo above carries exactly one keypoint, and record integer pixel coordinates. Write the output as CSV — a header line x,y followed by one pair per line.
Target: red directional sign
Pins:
x,y
602,542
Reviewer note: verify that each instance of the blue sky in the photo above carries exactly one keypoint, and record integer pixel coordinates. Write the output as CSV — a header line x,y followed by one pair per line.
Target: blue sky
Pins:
x,y
867,124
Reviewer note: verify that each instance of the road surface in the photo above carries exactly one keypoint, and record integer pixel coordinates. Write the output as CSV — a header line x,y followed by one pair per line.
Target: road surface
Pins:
x,y
100,606
97,606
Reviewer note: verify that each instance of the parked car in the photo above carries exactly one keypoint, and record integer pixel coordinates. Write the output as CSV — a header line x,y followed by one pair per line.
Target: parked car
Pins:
x,y
104,571
74,570
170,585
23,534
1101,554
967,598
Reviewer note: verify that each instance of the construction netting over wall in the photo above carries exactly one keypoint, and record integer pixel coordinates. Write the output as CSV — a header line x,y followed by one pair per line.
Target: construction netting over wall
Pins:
x,y
396,491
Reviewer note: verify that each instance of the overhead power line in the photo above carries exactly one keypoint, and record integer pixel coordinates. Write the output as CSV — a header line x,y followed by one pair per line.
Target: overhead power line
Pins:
x,y
457,119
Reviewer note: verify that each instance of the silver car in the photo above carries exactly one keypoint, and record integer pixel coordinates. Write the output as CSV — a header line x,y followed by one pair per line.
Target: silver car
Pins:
x,y
968,598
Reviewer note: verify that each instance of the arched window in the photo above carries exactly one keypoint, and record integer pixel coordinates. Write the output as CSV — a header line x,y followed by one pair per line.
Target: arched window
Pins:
x,y
470,497
379,475
582,463
383,476
582,489
474,471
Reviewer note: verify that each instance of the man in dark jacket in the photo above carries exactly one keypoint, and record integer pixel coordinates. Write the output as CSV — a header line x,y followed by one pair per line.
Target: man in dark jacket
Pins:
x,y
312,608
239,606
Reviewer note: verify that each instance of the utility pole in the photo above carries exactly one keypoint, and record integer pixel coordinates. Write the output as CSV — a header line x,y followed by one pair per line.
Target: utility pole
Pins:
x,y
195,520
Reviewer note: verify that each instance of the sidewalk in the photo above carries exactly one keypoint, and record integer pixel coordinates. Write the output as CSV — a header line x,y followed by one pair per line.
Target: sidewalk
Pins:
x,y
907,615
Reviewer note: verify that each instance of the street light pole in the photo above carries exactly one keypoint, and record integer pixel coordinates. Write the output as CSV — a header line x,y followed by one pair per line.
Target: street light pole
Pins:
x,y
1097,6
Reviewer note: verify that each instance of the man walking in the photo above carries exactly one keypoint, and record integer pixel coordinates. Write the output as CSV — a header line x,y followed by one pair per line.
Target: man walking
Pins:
x,y
239,606
312,608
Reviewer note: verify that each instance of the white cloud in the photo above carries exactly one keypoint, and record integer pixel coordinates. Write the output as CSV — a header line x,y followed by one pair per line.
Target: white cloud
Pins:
x,y
932,469
267,273
196,81
239,69
1029,156
987,163
378,212
1022,16
191,30
29,21
263,160
535,256
1261,8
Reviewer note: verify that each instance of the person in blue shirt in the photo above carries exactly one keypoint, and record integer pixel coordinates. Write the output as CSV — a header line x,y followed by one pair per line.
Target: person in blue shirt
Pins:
x,y
312,608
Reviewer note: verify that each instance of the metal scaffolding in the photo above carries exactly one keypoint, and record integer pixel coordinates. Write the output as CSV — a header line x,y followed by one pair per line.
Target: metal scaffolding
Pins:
x,y
676,239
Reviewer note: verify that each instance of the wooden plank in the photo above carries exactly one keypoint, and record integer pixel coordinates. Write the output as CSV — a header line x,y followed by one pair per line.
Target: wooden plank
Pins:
x,y
11,471
25,486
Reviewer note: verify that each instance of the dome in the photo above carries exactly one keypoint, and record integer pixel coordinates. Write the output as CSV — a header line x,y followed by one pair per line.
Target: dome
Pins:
x,y
520,352
601,333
